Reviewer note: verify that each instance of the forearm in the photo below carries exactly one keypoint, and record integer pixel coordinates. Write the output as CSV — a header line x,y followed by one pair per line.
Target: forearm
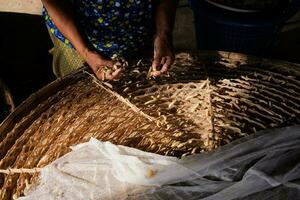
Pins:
x,y
63,18
165,17
163,49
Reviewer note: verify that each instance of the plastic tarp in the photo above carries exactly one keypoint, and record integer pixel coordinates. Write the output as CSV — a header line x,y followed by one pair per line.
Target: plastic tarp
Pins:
x,y
262,166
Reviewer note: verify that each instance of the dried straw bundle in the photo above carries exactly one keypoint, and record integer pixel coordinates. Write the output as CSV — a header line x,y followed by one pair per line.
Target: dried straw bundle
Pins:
x,y
206,101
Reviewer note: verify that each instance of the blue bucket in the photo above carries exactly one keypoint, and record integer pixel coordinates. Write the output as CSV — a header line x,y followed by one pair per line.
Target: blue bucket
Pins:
x,y
255,33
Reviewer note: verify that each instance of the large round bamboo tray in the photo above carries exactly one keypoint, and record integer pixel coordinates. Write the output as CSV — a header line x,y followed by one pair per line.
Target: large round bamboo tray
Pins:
x,y
206,101
6,101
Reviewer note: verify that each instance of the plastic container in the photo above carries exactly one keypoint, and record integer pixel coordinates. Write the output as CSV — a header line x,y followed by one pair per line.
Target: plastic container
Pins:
x,y
252,33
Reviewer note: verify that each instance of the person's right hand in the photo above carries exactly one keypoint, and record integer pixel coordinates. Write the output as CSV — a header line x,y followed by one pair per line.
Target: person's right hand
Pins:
x,y
103,68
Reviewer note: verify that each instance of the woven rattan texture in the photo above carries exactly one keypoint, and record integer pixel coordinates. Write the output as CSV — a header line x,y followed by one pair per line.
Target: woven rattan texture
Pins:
x,y
205,102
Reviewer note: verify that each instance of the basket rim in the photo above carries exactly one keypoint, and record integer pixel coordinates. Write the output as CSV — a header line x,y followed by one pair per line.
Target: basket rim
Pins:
x,y
35,98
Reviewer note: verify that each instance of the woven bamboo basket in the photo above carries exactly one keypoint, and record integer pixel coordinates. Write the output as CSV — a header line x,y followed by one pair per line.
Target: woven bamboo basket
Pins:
x,y
207,100
6,101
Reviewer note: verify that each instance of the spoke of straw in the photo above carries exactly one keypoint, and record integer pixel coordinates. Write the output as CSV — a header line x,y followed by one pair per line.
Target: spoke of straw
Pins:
x,y
126,101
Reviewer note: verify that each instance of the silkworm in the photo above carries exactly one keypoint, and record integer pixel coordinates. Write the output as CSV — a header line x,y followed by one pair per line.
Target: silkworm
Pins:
x,y
139,62
171,104
164,118
193,108
136,71
195,150
203,84
108,85
126,89
178,134
181,145
191,96
185,154
175,144
168,127
150,101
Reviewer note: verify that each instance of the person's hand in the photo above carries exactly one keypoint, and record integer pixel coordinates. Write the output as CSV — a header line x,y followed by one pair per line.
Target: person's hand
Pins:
x,y
163,55
103,68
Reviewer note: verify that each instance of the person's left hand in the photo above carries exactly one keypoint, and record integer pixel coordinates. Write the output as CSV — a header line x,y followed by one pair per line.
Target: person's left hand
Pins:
x,y
163,55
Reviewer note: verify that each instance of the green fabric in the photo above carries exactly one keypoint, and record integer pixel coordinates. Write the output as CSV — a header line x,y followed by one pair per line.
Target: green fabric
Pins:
x,y
65,59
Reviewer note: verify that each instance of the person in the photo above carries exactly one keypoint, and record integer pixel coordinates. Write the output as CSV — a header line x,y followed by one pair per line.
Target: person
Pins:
x,y
92,31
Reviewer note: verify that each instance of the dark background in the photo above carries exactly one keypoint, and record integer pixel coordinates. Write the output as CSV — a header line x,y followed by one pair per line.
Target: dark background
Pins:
x,y
25,64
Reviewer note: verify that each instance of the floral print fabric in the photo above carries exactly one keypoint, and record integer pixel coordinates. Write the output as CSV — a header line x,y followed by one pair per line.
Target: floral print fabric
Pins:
x,y
122,27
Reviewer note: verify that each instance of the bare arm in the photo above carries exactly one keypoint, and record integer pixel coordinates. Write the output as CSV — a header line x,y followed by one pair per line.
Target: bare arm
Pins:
x,y
163,48
64,19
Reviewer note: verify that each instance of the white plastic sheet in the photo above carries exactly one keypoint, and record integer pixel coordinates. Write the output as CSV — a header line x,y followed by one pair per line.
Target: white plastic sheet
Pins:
x,y
264,166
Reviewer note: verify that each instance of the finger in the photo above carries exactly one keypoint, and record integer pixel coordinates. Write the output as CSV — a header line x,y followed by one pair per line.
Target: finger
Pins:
x,y
109,76
114,75
109,63
156,73
156,62
99,73
163,60
167,64
117,74
101,76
